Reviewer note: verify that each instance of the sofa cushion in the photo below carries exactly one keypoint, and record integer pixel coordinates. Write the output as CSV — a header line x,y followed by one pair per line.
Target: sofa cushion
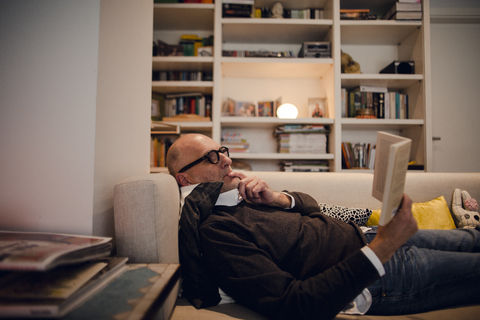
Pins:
x,y
358,215
433,214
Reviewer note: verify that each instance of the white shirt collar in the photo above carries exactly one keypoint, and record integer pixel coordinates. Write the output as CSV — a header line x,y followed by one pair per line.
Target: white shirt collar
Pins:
x,y
229,198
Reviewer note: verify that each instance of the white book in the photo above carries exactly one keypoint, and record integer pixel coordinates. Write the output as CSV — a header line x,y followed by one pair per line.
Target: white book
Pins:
x,y
391,164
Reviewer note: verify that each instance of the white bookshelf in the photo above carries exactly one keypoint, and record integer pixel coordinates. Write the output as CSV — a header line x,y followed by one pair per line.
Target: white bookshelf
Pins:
x,y
373,43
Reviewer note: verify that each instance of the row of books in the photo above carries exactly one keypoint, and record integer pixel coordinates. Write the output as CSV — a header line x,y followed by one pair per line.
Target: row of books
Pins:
x,y
246,9
305,166
302,128
181,76
358,156
188,45
357,14
401,10
235,142
382,103
158,150
185,103
49,275
258,54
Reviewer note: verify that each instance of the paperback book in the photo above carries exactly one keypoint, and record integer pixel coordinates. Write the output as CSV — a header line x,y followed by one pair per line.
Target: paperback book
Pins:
x,y
391,164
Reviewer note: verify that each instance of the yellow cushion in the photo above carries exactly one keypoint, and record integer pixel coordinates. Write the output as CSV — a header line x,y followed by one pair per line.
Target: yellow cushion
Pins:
x,y
433,214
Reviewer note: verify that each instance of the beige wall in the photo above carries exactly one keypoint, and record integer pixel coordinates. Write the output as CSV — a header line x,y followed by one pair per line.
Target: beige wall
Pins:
x,y
48,87
66,138
122,143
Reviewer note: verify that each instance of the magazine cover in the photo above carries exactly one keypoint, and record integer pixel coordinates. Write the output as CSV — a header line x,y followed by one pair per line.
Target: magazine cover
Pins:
x,y
43,251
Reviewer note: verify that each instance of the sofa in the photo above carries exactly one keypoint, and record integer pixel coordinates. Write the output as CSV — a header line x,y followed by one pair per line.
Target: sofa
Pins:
x,y
146,212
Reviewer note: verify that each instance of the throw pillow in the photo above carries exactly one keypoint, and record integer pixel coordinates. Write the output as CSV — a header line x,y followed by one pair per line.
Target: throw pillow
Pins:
x,y
433,214
358,215
461,201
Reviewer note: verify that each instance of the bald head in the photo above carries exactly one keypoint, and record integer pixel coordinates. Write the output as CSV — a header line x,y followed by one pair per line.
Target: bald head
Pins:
x,y
184,150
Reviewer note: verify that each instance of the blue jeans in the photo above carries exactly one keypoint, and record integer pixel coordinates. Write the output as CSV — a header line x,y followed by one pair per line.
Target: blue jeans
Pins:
x,y
435,269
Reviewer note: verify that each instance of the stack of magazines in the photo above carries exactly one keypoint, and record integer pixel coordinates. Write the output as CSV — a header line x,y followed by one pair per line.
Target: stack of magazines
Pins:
x,y
45,275
302,139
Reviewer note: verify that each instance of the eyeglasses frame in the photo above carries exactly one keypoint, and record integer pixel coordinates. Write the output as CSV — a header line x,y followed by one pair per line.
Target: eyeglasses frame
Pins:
x,y
188,166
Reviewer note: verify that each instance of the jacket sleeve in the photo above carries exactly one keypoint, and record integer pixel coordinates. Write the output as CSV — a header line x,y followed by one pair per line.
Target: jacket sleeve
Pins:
x,y
248,274
304,203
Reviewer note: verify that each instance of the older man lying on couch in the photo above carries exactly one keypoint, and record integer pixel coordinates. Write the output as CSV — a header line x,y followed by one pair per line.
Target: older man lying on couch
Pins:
x,y
276,253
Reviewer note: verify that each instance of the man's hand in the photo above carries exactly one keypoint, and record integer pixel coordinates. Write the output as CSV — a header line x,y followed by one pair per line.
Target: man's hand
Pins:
x,y
394,234
257,191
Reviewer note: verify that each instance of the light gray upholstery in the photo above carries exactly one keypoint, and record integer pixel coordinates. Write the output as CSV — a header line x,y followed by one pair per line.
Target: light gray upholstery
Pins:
x,y
147,211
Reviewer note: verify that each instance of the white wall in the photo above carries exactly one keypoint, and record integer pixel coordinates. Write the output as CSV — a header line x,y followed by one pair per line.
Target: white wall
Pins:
x,y
455,90
67,138
48,87
122,147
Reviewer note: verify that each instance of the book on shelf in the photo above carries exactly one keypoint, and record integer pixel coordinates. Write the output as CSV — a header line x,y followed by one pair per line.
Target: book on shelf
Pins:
x,y
384,104
55,293
391,165
305,166
407,15
357,155
235,142
237,8
185,75
187,103
302,128
356,14
403,7
158,150
44,251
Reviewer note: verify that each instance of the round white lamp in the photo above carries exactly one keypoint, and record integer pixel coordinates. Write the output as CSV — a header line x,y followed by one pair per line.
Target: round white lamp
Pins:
x,y
287,111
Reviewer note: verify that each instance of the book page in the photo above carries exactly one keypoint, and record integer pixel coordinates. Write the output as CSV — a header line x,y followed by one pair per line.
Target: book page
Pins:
x,y
391,164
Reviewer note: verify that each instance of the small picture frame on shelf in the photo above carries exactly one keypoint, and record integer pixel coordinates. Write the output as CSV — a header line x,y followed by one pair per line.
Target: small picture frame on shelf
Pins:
x,y
317,108
228,108
266,108
245,109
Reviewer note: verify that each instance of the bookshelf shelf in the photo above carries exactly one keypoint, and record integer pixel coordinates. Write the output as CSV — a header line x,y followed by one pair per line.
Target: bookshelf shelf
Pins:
x,y
204,64
379,124
205,87
281,156
269,123
391,81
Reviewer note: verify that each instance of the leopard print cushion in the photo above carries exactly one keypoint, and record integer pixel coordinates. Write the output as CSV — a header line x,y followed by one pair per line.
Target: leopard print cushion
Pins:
x,y
358,215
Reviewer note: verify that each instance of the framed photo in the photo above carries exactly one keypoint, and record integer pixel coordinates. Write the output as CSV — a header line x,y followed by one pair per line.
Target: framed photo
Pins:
x,y
317,108
228,108
246,109
266,108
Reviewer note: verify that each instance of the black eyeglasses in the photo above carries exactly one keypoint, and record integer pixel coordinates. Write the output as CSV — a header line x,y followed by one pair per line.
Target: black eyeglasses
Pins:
x,y
213,156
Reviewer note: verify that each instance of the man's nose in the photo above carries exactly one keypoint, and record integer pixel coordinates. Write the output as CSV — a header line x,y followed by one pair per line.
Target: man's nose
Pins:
x,y
225,160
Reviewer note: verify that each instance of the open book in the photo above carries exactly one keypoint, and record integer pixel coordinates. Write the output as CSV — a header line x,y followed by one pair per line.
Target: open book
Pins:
x,y
391,164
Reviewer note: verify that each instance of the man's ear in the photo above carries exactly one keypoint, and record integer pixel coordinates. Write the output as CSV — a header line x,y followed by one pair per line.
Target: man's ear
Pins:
x,y
182,180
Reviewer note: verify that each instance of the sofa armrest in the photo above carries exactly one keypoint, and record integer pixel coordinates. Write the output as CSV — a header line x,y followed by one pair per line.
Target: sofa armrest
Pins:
x,y
146,211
